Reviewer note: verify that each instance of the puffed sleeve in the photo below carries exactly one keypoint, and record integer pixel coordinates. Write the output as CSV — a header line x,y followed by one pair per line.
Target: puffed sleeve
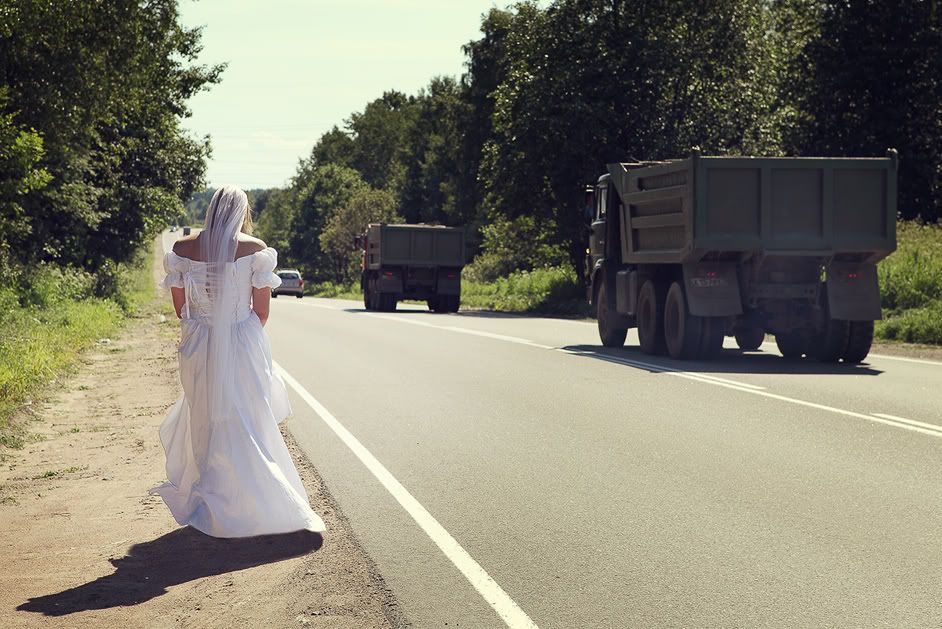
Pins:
x,y
174,267
263,265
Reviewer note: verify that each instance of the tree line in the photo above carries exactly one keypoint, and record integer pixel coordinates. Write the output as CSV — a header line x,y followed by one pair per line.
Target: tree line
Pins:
x,y
93,162
552,94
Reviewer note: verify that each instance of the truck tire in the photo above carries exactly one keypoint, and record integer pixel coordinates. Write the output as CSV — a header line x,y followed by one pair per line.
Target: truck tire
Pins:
x,y
831,343
711,343
651,317
454,303
387,302
859,341
369,296
791,344
432,303
683,332
608,333
750,338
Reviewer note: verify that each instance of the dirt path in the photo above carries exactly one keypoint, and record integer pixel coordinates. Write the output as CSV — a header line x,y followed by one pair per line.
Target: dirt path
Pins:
x,y
83,544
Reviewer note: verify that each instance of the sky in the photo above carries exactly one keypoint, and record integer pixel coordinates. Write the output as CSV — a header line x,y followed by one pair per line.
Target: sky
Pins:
x,y
297,68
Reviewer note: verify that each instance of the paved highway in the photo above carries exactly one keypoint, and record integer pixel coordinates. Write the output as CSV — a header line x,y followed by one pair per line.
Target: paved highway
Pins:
x,y
509,471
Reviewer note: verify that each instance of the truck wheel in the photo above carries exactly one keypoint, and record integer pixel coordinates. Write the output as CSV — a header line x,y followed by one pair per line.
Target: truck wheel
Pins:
x,y
387,302
608,333
651,317
432,303
859,341
454,303
791,344
831,343
711,343
683,331
750,339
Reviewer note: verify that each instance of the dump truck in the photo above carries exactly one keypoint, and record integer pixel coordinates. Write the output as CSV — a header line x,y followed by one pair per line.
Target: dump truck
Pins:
x,y
421,262
692,250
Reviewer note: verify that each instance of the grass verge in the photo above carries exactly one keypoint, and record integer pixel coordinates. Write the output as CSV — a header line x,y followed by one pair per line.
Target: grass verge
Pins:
x,y
552,290
44,337
911,286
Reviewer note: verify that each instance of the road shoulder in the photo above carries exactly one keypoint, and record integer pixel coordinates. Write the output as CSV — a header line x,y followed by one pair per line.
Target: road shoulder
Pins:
x,y
85,544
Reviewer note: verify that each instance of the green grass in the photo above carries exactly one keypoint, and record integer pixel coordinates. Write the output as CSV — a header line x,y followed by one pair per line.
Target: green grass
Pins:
x,y
42,340
911,286
552,290
331,290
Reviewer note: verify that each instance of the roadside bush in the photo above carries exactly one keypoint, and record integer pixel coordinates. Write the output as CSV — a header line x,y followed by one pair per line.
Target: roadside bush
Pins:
x,y
49,318
551,290
912,276
333,290
520,244
911,286
918,325
47,285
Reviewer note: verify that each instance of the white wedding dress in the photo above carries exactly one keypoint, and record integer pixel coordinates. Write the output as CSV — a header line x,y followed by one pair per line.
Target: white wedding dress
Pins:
x,y
229,472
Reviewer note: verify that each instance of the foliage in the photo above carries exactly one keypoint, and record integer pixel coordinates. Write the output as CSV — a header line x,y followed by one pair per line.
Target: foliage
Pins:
x,y
911,286
104,85
332,290
510,245
347,222
48,318
889,95
274,223
549,290
323,191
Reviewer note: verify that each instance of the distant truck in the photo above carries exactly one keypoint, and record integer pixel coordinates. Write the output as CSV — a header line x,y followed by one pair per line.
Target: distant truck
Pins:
x,y
421,262
692,250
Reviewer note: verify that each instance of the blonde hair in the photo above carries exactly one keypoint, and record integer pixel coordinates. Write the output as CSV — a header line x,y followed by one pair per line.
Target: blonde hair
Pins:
x,y
247,224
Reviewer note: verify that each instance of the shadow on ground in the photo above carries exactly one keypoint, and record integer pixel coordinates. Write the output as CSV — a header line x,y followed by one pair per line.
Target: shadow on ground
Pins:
x,y
183,555
729,361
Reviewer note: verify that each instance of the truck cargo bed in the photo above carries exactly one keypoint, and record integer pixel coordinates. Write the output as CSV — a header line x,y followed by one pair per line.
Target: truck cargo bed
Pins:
x,y
414,246
733,207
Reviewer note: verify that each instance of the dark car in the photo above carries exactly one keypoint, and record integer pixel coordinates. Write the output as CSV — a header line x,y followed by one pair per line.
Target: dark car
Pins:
x,y
291,283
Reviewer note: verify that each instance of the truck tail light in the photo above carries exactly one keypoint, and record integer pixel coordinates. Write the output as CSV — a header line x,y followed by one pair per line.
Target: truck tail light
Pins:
x,y
387,273
851,276
451,276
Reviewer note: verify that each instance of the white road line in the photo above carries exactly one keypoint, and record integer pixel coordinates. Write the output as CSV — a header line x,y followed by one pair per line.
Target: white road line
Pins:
x,y
905,424
918,361
693,375
911,422
487,587
452,328
926,429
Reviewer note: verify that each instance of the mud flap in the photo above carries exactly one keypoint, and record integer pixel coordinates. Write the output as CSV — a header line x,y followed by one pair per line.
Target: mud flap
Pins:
x,y
853,291
712,289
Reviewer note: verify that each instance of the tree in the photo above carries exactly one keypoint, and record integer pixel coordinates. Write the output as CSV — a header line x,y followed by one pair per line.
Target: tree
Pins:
x,y
350,220
104,85
889,96
21,152
324,190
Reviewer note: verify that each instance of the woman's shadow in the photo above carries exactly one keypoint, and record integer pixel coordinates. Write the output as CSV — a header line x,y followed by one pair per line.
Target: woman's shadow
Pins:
x,y
185,554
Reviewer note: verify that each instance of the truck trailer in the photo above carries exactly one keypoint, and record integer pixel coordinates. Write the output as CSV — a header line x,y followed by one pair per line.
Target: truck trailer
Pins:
x,y
692,250
421,262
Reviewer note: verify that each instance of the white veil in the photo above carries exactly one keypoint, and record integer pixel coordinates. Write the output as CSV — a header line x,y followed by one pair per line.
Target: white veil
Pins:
x,y
218,242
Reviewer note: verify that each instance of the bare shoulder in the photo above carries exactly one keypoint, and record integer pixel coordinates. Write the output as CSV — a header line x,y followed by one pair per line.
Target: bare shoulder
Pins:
x,y
251,242
249,245
186,246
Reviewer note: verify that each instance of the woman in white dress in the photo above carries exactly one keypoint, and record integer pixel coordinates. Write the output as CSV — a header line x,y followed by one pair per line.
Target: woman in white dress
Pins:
x,y
230,473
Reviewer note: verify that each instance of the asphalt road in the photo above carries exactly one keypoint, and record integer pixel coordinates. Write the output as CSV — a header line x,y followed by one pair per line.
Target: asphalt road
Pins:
x,y
509,471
